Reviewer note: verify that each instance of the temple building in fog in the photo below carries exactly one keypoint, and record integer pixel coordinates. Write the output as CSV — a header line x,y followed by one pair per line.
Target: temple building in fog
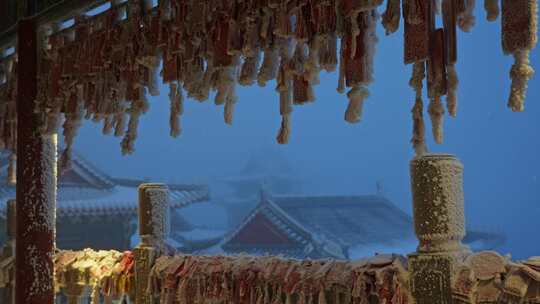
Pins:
x,y
92,204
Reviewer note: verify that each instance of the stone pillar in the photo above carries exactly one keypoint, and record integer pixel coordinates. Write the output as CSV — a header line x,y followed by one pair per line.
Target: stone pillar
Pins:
x,y
154,226
439,223
36,181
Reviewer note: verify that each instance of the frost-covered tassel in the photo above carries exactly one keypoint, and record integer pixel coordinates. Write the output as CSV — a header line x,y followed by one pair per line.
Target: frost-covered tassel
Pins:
x,y
285,97
284,130
64,163
520,74
418,138
390,18
451,97
269,67
72,123
285,110
137,108
492,9
299,59
248,73
357,95
341,77
176,99
128,142
312,67
266,298
466,19
436,113
288,299
355,31
277,294
12,170
223,82
153,86
328,54
230,101
119,124
419,130
322,297
519,35
107,125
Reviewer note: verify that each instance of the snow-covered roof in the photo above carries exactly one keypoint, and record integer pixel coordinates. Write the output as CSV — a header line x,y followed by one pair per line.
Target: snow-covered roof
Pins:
x,y
349,220
327,225
204,215
119,200
86,191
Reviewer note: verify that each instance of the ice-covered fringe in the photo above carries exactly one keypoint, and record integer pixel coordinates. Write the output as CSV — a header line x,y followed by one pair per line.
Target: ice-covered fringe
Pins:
x,y
248,72
418,139
359,91
436,113
520,74
357,95
492,9
451,96
197,67
519,37
391,16
138,107
72,122
177,109
466,20
341,76
270,66
284,87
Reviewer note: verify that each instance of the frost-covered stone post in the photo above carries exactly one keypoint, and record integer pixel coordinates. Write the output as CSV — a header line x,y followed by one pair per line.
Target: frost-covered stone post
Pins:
x,y
439,222
154,226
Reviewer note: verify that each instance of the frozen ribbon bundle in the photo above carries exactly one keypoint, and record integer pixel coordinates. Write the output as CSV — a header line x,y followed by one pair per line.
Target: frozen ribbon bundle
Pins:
x,y
269,280
103,67
487,277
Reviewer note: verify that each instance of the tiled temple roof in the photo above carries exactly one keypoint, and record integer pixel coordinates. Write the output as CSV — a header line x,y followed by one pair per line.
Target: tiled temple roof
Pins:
x,y
326,226
89,192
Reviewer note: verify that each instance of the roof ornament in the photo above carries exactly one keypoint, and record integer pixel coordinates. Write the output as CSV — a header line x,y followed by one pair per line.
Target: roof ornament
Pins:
x,y
264,192
380,188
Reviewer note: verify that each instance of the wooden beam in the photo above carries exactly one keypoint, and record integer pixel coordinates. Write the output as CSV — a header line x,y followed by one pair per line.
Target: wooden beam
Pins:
x,y
36,182
59,12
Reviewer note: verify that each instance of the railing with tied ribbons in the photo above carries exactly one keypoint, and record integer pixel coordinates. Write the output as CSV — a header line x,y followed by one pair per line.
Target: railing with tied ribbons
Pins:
x,y
441,271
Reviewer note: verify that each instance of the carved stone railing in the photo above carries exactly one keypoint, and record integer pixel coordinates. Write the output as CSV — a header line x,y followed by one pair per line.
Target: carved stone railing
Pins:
x,y
442,270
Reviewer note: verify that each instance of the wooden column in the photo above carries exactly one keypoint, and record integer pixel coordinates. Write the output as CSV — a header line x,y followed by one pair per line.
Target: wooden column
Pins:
x,y
36,182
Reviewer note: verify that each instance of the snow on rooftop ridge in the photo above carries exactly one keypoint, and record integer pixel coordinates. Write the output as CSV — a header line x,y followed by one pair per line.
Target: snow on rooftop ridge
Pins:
x,y
120,200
